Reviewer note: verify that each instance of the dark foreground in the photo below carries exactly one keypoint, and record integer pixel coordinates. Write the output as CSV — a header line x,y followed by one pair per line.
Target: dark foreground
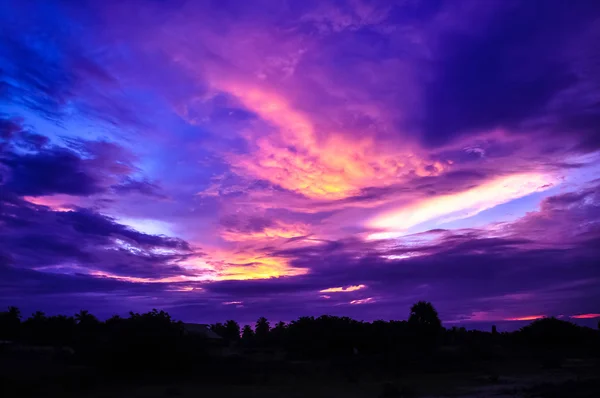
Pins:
x,y
32,376
152,355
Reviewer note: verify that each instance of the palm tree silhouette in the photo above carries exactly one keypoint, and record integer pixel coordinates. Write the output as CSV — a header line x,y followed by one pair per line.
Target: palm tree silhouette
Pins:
x,y
232,330
84,317
247,333
262,327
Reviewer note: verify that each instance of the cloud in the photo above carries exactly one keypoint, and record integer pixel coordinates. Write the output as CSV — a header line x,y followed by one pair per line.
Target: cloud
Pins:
x,y
462,272
54,74
585,316
83,241
362,301
462,204
51,171
342,289
35,167
488,76
278,135
142,187
330,167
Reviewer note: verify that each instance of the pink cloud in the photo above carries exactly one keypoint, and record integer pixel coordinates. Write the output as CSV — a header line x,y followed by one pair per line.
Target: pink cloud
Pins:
x,y
585,316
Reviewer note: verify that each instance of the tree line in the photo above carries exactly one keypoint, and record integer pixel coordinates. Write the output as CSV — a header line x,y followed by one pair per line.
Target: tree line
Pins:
x,y
155,340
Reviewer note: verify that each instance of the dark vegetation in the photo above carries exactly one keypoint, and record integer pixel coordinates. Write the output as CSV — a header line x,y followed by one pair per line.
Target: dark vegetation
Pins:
x,y
72,354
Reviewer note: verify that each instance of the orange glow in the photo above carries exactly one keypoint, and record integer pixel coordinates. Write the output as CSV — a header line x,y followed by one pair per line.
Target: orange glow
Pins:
x,y
327,165
259,267
363,301
343,289
585,316
527,318
281,230
240,265
460,205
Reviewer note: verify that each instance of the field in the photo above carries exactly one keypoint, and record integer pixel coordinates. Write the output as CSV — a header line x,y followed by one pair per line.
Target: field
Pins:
x,y
38,376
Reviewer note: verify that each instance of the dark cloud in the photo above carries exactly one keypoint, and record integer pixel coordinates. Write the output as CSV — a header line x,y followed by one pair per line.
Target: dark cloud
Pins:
x,y
508,71
143,187
50,171
57,293
32,166
37,237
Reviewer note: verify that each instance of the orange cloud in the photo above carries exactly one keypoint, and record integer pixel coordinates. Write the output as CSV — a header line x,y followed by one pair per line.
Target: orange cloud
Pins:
x,y
280,231
259,267
224,264
460,205
527,318
343,289
328,165
585,316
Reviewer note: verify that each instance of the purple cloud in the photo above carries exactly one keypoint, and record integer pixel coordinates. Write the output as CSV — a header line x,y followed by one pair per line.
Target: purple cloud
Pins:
x,y
415,150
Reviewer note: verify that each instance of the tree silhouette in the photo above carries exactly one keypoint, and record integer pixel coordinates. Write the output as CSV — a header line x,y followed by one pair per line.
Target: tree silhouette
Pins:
x,y
219,329
38,316
262,329
14,313
84,318
550,332
425,324
232,330
60,330
278,332
34,328
424,315
247,334
10,323
114,320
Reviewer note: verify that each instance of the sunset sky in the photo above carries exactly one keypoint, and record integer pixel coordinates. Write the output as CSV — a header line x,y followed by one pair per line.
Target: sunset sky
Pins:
x,y
227,159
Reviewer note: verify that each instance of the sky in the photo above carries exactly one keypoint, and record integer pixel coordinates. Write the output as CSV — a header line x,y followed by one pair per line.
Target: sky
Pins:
x,y
235,159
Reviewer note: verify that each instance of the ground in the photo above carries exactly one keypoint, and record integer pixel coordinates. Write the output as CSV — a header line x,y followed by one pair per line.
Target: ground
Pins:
x,y
582,380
